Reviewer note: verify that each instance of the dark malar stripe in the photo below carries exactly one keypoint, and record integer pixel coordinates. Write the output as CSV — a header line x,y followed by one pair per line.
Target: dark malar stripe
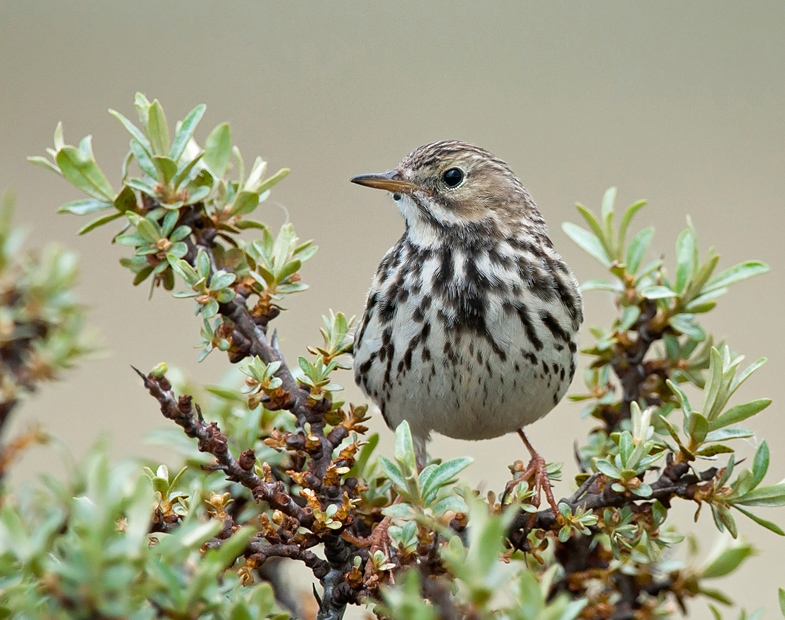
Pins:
x,y
445,272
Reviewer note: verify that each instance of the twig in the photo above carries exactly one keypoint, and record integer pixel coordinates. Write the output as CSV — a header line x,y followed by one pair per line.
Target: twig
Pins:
x,y
211,440
672,483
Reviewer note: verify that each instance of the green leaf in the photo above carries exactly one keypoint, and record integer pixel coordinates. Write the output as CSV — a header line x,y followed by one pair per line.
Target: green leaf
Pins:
x,y
245,224
147,229
398,511
626,446
225,393
599,285
84,173
157,129
125,200
186,131
592,221
727,561
210,309
726,518
85,207
628,317
606,212
728,433
143,160
588,242
714,450
737,273
444,473
244,203
221,279
637,248
218,149
184,170
104,219
643,490
392,472
625,222
744,375
685,258
685,403
404,449
129,239
197,195
684,324
272,180
702,276
657,292
166,167
255,176
58,136
760,464
713,382
180,233
781,594
671,430
43,162
453,503
717,595
142,186
605,467
142,275
698,427
770,496
365,453
736,414
135,132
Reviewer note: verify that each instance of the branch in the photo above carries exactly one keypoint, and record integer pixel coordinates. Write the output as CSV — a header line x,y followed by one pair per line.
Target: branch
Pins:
x,y
262,552
674,482
299,404
212,441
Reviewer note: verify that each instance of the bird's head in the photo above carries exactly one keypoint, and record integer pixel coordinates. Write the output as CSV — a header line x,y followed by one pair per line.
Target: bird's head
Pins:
x,y
456,189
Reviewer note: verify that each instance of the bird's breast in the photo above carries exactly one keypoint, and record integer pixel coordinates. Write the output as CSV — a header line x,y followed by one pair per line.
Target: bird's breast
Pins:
x,y
465,341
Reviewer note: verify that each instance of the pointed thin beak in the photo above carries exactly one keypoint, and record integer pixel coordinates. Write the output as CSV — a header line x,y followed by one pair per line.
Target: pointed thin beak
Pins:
x,y
386,181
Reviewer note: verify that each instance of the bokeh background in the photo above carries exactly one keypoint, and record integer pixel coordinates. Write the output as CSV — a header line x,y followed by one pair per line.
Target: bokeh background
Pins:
x,y
679,103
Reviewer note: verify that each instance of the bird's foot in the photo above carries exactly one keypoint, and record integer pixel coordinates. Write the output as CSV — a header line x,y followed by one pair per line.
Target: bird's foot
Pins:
x,y
378,540
536,475
542,483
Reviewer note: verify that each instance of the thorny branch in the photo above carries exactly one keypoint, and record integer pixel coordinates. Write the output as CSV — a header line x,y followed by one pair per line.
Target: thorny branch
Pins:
x,y
675,481
211,440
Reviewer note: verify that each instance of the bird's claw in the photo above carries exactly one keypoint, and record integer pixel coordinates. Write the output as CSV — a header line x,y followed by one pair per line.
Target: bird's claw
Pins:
x,y
536,476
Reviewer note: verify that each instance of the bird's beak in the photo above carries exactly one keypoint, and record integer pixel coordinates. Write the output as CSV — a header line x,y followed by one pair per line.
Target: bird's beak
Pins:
x,y
386,181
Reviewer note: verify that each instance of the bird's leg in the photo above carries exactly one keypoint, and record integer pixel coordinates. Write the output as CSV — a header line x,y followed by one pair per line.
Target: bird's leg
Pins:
x,y
536,472
379,538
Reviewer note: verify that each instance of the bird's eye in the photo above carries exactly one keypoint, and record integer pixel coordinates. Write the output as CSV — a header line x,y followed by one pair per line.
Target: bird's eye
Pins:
x,y
397,196
453,177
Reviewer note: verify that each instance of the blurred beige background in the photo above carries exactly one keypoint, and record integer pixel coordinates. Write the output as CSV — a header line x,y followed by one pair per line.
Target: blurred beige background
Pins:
x,y
679,103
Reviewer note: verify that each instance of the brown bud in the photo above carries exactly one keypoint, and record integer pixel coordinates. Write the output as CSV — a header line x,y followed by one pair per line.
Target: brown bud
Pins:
x,y
247,460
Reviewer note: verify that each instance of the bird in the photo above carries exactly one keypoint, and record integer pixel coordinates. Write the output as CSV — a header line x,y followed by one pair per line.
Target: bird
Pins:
x,y
470,327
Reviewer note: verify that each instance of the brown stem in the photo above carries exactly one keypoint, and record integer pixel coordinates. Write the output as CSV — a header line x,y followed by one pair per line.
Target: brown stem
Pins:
x,y
674,482
211,440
